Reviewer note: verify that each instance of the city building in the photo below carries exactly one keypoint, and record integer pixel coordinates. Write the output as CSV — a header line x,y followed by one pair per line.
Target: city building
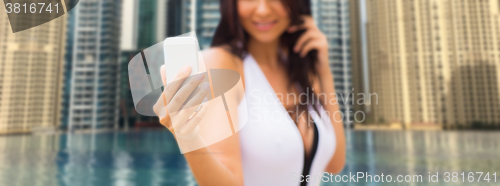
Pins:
x,y
147,23
434,61
175,14
201,16
31,73
207,18
91,90
358,62
332,18
144,25
356,48
152,22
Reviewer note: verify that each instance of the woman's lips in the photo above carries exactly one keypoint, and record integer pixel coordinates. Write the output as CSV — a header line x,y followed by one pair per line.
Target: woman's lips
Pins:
x,y
264,26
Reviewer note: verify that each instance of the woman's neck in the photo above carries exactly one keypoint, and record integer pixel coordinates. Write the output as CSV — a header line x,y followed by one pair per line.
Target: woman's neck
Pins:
x,y
264,53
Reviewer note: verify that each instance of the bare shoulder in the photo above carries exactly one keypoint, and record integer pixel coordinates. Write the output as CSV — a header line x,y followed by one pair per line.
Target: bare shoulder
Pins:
x,y
220,58
228,148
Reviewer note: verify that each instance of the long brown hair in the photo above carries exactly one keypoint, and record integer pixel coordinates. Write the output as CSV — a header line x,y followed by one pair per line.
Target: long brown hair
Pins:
x,y
300,71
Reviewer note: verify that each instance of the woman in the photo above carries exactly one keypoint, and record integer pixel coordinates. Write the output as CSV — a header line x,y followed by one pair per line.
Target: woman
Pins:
x,y
277,49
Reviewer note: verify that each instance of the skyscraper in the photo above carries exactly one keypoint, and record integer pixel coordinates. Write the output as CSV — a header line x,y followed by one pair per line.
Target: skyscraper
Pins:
x,y
30,74
207,18
332,18
181,16
201,16
151,22
145,24
435,61
93,50
175,14
357,53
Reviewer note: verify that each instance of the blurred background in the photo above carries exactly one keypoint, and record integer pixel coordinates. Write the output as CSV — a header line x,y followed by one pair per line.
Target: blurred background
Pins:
x,y
418,83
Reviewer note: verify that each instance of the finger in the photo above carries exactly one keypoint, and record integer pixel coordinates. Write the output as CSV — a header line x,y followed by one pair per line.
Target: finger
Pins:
x,y
180,118
172,87
308,20
306,17
183,73
189,136
160,106
184,92
296,28
198,98
163,116
302,41
163,72
160,110
167,122
307,48
194,122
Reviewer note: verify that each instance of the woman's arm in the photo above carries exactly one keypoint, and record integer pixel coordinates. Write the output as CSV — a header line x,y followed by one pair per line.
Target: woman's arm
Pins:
x,y
337,162
219,163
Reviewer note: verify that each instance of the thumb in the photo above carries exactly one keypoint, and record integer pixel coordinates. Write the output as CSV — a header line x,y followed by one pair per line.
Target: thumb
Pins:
x,y
163,72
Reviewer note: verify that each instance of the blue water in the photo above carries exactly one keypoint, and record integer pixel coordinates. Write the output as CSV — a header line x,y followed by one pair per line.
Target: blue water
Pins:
x,y
153,158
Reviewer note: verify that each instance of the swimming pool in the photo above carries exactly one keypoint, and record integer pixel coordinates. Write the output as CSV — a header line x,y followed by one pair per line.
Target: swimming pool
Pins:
x,y
151,157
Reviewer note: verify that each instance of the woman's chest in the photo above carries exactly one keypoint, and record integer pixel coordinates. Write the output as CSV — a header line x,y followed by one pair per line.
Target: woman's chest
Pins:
x,y
285,91
293,102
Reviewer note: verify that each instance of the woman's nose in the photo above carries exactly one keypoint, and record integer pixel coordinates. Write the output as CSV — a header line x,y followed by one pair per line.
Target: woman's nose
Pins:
x,y
263,8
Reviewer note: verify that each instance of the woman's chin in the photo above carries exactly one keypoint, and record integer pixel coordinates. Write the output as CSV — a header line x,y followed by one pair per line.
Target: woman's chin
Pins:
x,y
267,39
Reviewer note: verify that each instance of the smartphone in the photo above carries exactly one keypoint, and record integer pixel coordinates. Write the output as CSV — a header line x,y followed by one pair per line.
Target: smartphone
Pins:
x,y
180,51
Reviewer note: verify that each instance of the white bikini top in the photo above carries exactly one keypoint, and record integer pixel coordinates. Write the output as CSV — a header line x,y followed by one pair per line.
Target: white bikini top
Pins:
x,y
272,149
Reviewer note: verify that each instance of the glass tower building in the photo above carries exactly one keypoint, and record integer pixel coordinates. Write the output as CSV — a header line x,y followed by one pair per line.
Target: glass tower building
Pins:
x,y
207,19
31,73
145,24
93,49
332,18
201,16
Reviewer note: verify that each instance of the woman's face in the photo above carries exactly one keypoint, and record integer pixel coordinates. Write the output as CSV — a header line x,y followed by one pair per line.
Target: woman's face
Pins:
x,y
264,20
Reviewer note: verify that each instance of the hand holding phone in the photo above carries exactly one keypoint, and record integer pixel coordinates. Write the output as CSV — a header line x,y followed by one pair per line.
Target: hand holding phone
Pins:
x,y
183,102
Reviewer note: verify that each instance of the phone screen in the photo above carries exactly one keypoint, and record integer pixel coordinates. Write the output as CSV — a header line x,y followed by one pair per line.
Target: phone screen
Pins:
x,y
179,52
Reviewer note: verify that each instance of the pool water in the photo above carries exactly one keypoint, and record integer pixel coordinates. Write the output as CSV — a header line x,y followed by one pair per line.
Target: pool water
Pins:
x,y
151,157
